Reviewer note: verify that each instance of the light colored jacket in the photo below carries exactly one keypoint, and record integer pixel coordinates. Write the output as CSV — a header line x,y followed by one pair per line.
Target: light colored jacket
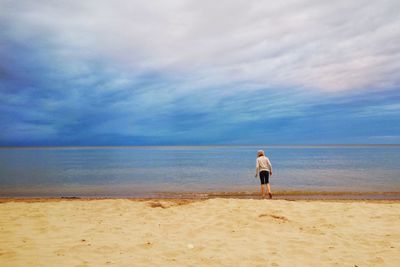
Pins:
x,y
263,164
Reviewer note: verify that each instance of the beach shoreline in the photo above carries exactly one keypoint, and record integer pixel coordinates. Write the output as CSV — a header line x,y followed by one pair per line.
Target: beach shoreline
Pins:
x,y
282,195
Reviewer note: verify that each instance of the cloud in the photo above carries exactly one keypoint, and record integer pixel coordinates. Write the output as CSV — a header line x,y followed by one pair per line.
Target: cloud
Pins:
x,y
190,72
316,45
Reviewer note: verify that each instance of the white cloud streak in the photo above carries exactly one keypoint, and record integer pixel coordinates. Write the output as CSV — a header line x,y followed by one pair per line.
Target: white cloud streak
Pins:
x,y
315,45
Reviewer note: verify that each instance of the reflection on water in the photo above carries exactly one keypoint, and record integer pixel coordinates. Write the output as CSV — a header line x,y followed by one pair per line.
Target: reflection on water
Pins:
x,y
211,168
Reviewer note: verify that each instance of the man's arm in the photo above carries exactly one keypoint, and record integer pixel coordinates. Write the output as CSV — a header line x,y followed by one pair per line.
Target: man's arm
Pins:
x,y
257,167
269,165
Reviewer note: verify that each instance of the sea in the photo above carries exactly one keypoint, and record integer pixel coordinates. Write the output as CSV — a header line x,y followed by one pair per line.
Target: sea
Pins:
x,y
150,171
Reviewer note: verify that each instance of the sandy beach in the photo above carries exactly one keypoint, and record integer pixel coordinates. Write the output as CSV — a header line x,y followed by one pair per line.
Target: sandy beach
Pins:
x,y
212,232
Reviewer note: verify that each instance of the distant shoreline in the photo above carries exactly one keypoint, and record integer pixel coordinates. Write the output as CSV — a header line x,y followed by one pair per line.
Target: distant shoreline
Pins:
x,y
205,146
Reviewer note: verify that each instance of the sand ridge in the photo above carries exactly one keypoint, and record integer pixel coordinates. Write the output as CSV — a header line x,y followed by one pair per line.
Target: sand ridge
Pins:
x,y
213,232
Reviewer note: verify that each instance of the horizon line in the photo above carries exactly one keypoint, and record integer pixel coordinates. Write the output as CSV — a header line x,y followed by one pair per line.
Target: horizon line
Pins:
x,y
208,145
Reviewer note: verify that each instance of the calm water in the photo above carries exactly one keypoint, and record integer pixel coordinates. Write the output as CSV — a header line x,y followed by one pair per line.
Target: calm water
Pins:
x,y
133,171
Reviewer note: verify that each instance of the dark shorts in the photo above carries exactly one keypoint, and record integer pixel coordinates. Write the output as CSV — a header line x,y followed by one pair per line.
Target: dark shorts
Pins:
x,y
264,177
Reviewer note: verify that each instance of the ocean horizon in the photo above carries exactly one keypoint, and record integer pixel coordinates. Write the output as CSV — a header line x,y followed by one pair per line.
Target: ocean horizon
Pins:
x,y
140,171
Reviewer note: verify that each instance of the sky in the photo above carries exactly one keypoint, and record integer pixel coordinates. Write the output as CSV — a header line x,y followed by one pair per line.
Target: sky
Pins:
x,y
206,72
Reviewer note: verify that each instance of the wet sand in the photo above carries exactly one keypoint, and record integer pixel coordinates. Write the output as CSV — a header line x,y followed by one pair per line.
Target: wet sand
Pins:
x,y
280,194
199,232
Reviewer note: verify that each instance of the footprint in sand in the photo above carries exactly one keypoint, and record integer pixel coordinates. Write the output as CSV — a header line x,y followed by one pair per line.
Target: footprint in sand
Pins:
x,y
275,217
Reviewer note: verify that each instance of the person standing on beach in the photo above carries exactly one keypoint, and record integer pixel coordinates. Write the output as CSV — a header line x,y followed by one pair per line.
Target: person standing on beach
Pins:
x,y
264,169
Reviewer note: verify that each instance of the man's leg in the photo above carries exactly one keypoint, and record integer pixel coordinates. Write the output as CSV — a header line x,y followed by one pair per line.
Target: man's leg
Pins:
x,y
269,190
262,191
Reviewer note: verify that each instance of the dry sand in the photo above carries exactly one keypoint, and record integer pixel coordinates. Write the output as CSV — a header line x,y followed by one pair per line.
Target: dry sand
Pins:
x,y
214,232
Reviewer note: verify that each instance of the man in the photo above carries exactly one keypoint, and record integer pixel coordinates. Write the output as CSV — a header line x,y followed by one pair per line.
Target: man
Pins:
x,y
264,169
